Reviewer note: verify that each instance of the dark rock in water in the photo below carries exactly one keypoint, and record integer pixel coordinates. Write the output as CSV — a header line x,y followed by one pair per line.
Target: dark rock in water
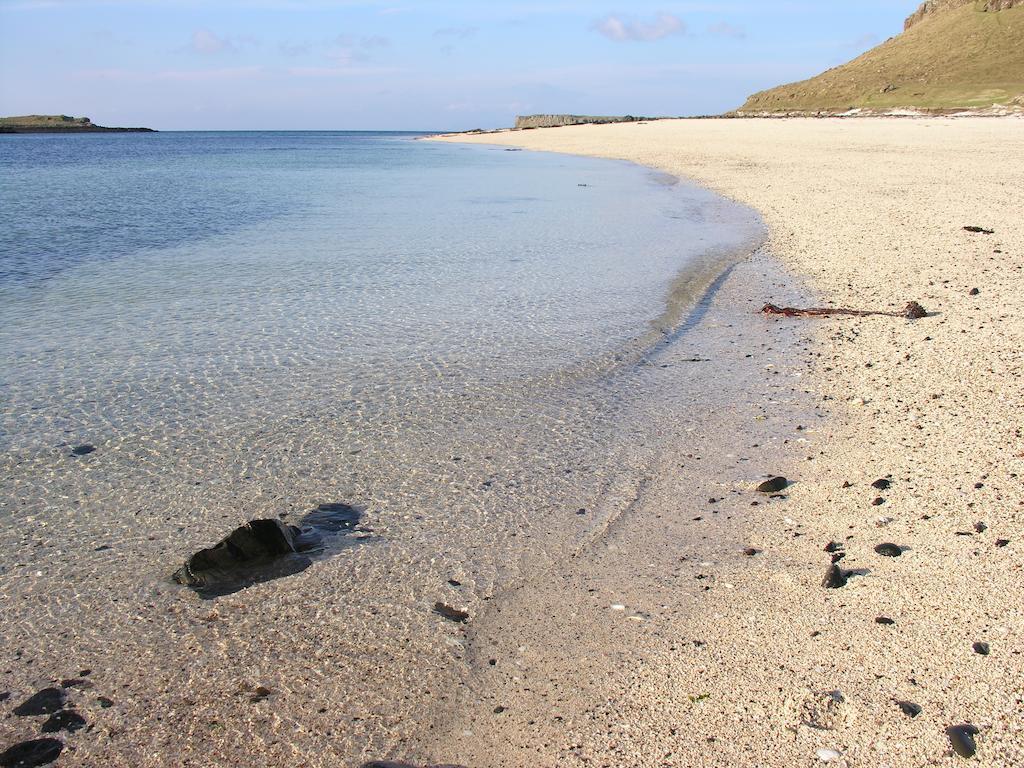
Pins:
x,y
914,311
910,709
882,484
65,720
83,450
835,577
884,620
889,550
980,230
262,550
29,754
452,614
982,649
962,739
774,485
44,702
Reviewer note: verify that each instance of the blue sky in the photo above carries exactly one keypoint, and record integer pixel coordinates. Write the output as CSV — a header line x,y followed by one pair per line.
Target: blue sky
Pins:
x,y
318,64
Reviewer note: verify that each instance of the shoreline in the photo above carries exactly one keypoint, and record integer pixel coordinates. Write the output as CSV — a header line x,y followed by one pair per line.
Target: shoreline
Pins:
x,y
871,212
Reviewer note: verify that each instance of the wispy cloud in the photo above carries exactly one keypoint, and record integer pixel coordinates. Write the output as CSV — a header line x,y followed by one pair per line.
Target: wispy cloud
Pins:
x,y
627,29
336,72
173,75
208,43
456,32
725,29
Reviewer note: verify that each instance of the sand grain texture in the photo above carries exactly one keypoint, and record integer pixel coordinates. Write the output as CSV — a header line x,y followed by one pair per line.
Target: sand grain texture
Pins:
x,y
765,666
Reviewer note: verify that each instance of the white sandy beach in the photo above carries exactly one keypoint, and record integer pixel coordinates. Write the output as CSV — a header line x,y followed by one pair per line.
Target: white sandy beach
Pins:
x,y
744,660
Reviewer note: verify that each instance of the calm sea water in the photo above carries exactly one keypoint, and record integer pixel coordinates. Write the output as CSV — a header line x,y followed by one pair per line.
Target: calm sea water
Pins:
x,y
247,325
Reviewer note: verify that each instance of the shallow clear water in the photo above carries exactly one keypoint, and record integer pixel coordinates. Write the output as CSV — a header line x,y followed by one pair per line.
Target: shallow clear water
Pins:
x,y
247,325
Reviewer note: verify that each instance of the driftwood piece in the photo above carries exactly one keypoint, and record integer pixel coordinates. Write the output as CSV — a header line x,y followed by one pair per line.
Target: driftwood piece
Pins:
x,y
912,311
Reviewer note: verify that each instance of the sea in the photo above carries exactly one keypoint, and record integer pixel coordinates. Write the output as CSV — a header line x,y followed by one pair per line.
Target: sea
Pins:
x,y
198,329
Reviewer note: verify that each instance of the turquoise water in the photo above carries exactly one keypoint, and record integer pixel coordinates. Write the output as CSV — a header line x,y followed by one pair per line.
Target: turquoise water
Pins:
x,y
246,325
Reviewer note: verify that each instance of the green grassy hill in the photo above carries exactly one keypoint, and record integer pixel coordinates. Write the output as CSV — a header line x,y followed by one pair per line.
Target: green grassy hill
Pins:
x,y
959,57
55,124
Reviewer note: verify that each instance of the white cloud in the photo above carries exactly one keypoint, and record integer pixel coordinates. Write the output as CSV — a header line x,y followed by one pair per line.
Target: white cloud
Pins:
x,y
623,29
206,42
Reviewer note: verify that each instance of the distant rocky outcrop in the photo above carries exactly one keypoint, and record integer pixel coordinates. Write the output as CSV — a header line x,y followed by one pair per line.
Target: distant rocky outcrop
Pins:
x,y
954,55
58,124
931,7
526,122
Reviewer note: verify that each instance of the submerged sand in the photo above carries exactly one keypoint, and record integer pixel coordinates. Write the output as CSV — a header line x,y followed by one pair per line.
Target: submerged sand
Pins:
x,y
662,643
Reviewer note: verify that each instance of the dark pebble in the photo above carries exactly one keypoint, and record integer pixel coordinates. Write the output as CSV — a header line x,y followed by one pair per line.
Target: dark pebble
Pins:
x,y
979,230
5,695
45,702
774,485
884,620
1002,542
973,292
75,683
878,501
847,484
499,709
962,739
882,484
455,582
889,550
914,311
452,614
980,527
982,649
104,702
260,693
833,546
83,450
910,709
65,720
29,754
750,551
835,577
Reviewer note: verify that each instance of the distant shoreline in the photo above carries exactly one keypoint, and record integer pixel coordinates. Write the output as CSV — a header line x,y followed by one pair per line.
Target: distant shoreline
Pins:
x,y
59,124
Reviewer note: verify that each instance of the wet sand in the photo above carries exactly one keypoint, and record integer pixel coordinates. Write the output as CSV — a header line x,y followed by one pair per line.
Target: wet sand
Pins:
x,y
692,632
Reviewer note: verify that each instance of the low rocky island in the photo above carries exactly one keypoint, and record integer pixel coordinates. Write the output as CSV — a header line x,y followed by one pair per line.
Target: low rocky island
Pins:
x,y
59,124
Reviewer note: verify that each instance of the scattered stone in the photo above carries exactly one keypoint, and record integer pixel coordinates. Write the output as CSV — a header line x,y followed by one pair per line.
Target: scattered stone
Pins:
x,y
828,755
396,764
44,702
878,501
452,614
962,739
65,720
973,292
5,695
909,708
979,230
750,552
889,550
833,546
847,484
914,311
499,709
104,702
29,754
1002,542
454,583
980,527
83,450
835,577
75,683
882,484
982,649
884,620
774,485
262,550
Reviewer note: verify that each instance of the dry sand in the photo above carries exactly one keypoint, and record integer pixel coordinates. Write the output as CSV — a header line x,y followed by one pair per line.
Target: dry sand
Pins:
x,y
663,644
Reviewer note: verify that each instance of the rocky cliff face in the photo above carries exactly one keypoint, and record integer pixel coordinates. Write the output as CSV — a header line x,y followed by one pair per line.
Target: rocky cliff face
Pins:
x,y
931,7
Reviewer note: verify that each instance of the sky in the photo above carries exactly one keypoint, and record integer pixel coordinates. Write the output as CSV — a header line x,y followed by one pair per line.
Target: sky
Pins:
x,y
394,65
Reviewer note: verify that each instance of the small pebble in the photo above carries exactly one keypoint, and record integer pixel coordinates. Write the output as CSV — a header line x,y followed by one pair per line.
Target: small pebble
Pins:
x,y
982,649
29,754
774,485
962,739
910,709
83,450
878,501
881,484
889,550
884,620
827,755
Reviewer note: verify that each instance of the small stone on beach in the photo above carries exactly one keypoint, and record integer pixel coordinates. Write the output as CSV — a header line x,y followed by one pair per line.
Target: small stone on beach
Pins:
x,y
889,550
44,702
882,484
452,614
66,720
29,754
982,649
83,450
884,620
962,739
835,577
909,708
774,485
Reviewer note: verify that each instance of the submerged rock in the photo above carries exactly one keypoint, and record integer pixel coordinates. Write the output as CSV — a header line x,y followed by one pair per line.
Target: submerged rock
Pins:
x,y
44,702
83,450
264,549
29,754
